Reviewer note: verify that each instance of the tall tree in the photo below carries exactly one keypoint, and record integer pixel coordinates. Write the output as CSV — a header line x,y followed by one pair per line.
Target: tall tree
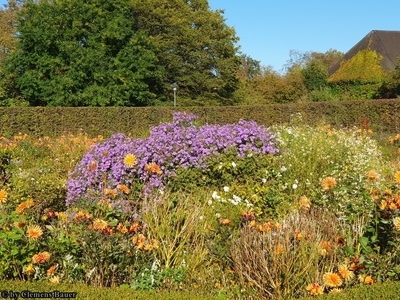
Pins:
x,y
8,23
87,52
196,49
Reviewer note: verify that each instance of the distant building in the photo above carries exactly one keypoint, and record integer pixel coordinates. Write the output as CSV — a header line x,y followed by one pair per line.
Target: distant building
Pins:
x,y
385,42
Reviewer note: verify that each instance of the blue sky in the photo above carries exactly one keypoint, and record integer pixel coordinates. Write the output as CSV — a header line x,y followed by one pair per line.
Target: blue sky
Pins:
x,y
269,29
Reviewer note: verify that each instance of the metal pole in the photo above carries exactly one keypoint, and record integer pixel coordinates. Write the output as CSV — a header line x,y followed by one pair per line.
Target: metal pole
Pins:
x,y
174,96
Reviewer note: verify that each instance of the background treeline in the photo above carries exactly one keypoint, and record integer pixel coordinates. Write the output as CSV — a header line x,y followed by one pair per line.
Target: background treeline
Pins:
x,y
129,52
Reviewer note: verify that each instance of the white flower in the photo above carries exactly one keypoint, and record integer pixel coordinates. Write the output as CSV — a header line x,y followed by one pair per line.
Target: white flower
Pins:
x,y
218,215
220,166
215,196
237,198
264,180
226,189
233,164
201,218
233,202
210,202
248,204
294,186
283,169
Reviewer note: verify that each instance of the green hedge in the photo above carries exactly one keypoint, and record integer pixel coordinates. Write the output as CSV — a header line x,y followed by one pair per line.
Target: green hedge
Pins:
x,y
383,116
87,292
383,291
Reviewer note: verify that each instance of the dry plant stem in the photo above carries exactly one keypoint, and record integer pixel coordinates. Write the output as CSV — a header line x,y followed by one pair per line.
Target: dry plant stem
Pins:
x,y
175,226
277,273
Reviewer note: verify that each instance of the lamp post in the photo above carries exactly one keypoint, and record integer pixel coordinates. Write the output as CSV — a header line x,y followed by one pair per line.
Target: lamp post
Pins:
x,y
174,88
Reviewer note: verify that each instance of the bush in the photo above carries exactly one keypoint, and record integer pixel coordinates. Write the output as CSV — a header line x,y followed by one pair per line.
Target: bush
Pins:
x,y
145,164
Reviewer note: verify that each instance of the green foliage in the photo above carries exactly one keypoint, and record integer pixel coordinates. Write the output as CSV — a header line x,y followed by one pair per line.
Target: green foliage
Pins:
x,y
54,122
312,154
387,290
86,54
322,94
273,87
85,292
363,67
194,46
315,76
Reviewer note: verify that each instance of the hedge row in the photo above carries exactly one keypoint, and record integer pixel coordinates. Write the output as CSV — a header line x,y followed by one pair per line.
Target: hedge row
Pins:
x,y
383,291
382,116
31,290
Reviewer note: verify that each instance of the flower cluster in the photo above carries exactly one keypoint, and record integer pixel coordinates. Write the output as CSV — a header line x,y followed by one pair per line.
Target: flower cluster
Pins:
x,y
121,160
333,281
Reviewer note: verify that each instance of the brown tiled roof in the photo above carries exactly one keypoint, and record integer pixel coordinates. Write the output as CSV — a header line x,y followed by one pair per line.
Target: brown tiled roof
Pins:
x,y
384,42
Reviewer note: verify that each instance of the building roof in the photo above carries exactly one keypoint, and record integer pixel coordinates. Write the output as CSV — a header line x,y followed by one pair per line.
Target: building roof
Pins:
x,y
384,42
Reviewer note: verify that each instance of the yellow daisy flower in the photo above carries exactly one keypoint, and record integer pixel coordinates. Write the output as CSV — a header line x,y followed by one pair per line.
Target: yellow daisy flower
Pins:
x,y
328,183
397,176
34,232
332,279
130,160
345,273
3,196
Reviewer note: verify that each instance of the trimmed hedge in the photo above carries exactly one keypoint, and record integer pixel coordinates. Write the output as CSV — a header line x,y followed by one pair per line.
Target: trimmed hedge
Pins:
x,y
382,115
382,291
89,293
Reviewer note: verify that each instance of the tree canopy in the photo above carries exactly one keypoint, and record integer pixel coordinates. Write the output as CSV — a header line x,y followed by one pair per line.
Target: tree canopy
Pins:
x,y
121,52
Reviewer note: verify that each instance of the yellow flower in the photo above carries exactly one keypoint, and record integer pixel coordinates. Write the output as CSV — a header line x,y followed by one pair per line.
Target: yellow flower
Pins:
x,y
383,204
112,193
148,247
324,248
335,291
123,188
366,279
155,244
104,203
298,235
122,228
55,280
135,226
397,176
305,202
100,224
252,223
3,196
139,239
41,257
315,289
20,208
61,215
345,273
29,269
372,176
19,224
34,232
30,202
396,222
328,183
153,168
51,270
130,160
332,279
392,206
279,249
